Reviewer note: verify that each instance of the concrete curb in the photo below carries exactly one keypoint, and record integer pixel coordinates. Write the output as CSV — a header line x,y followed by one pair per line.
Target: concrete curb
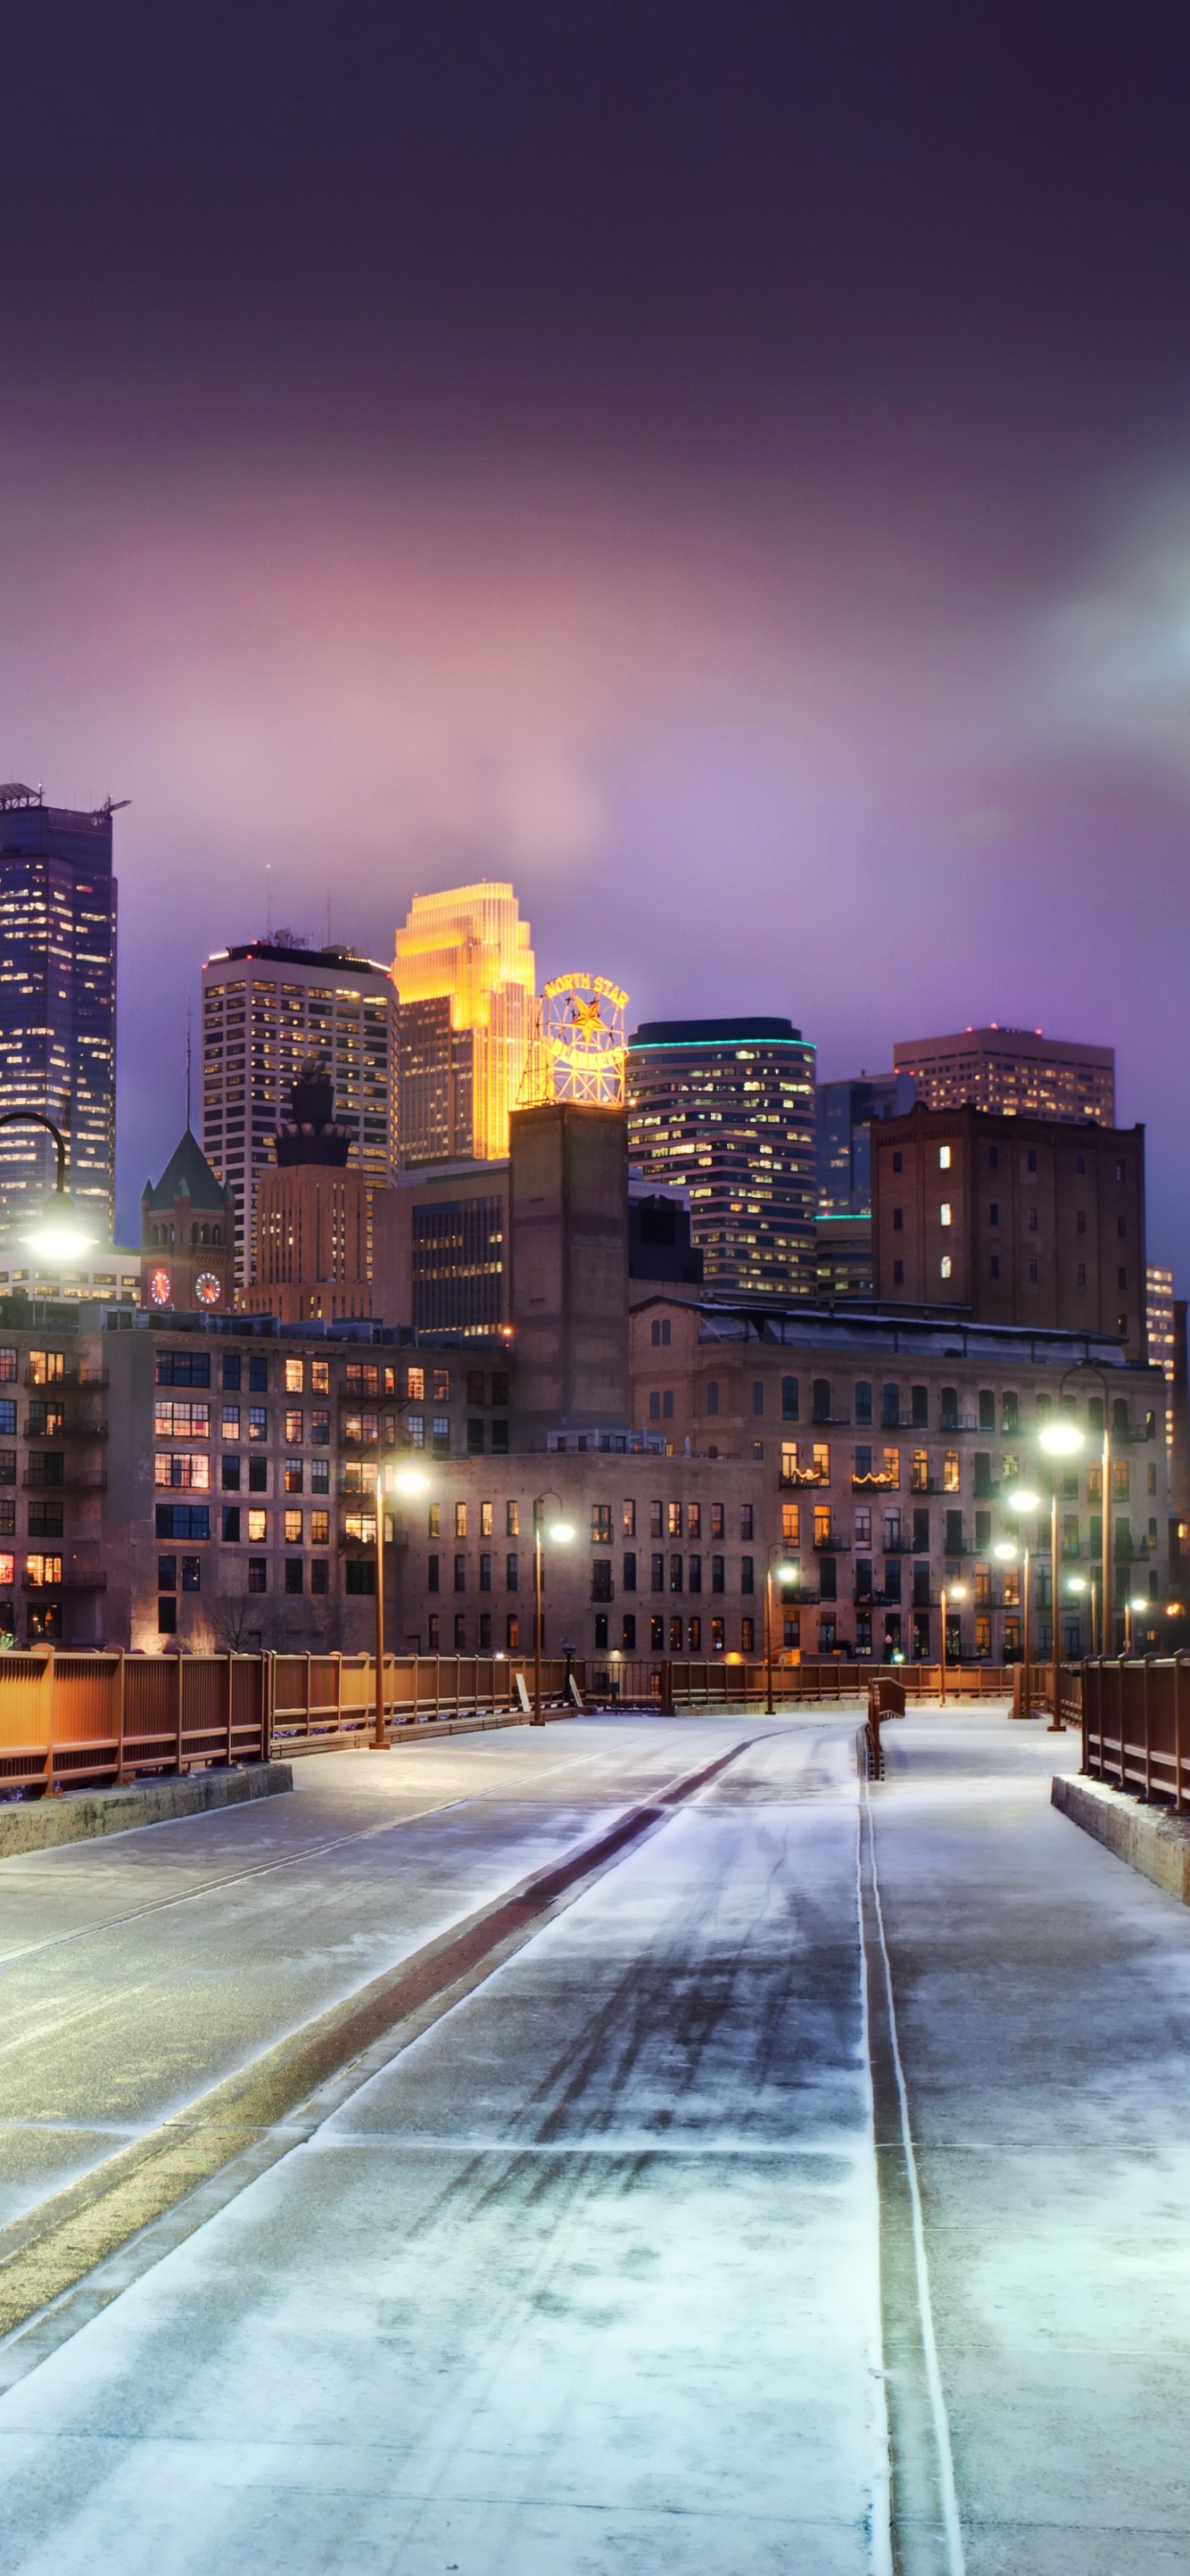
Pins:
x,y
37,1827
1150,1839
423,1730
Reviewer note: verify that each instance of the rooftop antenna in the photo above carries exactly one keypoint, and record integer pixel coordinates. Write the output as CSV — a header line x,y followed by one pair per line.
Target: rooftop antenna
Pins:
x,y
189,1017
268,887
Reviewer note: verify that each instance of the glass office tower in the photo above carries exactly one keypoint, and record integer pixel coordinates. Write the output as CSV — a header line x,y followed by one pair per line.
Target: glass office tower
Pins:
x,y
726,1109
57,1001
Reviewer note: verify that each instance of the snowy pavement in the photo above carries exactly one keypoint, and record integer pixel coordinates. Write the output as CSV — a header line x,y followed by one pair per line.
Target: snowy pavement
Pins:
x,y
588,2281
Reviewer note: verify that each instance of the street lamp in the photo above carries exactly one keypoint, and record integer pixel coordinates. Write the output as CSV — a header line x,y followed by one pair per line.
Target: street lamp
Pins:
x,y
958,1592
788,1576
1024,1500
62,1231
411,1481
562,1534
1059,1440
1083,1368
1080,1583
1136,1601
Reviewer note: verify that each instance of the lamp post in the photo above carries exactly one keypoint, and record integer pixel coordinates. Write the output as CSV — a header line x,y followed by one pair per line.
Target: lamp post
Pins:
x,y
788,1575
408,1480
1078,1584
1059,1440
562,1533
1083,1368
61,1233
958,1592
1136,1602
1025,1500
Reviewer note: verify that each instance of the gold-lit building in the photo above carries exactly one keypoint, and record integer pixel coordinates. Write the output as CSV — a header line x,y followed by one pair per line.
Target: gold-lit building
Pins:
x,y
464,975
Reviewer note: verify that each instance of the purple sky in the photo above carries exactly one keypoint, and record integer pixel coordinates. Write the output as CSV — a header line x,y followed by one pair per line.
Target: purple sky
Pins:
x,y
725,467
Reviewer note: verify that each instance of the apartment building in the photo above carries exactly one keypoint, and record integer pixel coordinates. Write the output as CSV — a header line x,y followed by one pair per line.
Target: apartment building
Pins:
x,y
884,1449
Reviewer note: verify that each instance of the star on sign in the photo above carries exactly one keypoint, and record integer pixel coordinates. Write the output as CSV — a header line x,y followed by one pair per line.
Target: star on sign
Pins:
x,y
585,1019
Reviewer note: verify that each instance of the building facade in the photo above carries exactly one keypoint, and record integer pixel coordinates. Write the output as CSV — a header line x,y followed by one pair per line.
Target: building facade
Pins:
x,y
268,1008
1032,1222
844,1112
883,1450
57,1002
1016,1073
439,1245
464,976
725,1109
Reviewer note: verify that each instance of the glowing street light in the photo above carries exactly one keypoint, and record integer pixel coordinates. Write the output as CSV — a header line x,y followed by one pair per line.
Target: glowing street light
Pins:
x,y
788,1575
958,1592
63,1231
1059,1440
409,1481
1136,1602
1024,1500
560,1535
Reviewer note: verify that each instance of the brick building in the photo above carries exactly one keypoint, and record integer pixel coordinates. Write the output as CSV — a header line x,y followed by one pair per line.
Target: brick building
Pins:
x,y
1019,1221
882,1448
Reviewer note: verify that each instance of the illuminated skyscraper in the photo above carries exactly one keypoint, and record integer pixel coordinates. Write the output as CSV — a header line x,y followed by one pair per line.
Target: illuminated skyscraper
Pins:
x,y
57,1000
464,974
268,1009
726,1108
1017,1073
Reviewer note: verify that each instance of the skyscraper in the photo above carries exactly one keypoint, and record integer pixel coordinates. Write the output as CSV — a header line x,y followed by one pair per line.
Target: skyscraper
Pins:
x,y
726,1108
845,1110
267,1009
464,975
57,1000
1018,1073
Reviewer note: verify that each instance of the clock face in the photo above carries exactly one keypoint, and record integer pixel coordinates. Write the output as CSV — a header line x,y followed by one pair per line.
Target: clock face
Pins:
x,y
160,1287
207,1288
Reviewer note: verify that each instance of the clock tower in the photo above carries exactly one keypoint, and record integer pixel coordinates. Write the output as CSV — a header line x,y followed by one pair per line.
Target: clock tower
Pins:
x,y
188,1237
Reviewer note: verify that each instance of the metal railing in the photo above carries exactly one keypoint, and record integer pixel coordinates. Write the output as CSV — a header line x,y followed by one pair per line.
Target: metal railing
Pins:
x,y
1136,1726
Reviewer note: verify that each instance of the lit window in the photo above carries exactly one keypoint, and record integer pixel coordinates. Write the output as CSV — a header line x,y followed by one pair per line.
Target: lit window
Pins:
x,y
944,1158
295,1377
258,1526
293,1423
320,1529
944,1213
944,1265
293,1529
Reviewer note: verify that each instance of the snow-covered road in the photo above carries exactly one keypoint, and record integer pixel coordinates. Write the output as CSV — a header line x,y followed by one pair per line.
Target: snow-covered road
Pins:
x,y
589,2278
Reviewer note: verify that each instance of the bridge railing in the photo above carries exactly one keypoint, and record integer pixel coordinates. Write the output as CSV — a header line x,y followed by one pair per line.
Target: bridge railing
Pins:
x,y
1136,1726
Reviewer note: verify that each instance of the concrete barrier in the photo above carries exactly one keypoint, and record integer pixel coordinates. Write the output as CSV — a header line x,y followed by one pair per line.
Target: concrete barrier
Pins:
x,y
1150,1839
35,1827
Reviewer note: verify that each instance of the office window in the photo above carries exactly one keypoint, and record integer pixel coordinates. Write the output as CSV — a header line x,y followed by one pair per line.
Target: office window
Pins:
x,y
718,1520
183,1520
675,1573
292,1421
167,1617
748,1519
656,1572
231,1521
460,1520
258,1574
944,1213
460,1573
441,1386
628,1632
174,1368
485,1520
628,1519
863,1400
258,1374
415,1385
717,1636
8,1418
629,1584
673,1520
944,1266
258,1475
292,1476
320,1529
694,1520
320,1428
950,1471
440,1427
8,1367
258,1422
475,1386
694,1574
294,1377
512,1520
944,1158
747,1574
657,1636
293,1529
789,1399
167,1574
512,1572
748,1636
231,1422
601,1579
179,1420
190,1467
258,1527
293,1574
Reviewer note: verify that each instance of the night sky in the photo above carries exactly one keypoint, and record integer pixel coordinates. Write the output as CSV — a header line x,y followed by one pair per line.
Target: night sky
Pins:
x,y
725,467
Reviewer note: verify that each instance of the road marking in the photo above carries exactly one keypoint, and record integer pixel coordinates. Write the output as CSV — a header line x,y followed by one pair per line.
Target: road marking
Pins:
x,y
926,2534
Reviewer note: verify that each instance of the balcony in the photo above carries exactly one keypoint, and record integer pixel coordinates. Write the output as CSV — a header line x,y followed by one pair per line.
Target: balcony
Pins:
x,y
884,1483
73,1482
832,1543
796,1477
829,1421
75,1578
75,1382
68,1430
